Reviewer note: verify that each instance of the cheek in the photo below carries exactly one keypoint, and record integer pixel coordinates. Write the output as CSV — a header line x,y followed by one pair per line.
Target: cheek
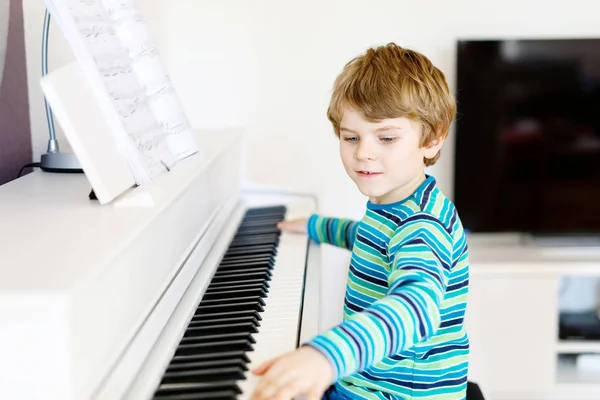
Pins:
x,y
346,153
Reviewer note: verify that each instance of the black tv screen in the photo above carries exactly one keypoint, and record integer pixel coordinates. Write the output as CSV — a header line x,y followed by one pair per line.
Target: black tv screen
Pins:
x,y
528,136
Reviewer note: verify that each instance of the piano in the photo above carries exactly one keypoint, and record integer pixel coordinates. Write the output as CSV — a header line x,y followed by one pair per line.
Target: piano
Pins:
x,y
174,291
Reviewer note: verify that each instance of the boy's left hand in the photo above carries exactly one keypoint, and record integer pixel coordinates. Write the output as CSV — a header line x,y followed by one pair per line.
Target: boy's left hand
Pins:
x,y
303,371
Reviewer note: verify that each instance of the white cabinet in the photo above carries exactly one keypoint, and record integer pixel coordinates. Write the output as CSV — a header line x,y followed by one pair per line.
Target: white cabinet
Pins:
x,y
512,321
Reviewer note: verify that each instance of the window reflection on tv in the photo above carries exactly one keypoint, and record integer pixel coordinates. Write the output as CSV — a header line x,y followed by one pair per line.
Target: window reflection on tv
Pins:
x,y
528,136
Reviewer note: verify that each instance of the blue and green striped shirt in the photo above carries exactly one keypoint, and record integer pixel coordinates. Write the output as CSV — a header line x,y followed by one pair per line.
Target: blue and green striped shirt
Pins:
x,y
403,335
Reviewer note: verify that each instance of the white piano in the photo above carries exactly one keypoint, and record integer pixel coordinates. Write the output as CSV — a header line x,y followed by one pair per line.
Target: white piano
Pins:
x,y
174,299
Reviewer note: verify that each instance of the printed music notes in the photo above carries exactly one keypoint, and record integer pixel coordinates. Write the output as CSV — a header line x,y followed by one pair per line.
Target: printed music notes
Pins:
x,y
111,41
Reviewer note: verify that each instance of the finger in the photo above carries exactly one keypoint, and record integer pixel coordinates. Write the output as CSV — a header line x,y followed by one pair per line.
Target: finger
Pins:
x,y
314,394
287,392
265,390
270,381
262,368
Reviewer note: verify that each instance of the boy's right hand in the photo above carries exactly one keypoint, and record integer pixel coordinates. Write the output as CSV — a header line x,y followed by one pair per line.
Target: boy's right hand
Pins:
x,y
294,225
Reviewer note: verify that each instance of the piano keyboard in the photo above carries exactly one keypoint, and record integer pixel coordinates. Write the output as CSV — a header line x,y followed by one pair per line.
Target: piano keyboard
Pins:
x,y
250,312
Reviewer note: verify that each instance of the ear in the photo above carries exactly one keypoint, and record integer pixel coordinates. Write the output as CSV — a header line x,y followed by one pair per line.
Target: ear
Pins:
x,y
434,147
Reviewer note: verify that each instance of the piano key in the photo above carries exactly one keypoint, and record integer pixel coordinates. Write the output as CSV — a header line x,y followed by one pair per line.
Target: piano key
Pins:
x,y
229,294
201,315
171,390
234,301
248,257
210,308
242,286
245,326
253,250
246,243
205,375
251,275
243,271
250,266
216,395
213,356
258,230
213,347
227,362
210,338
215,285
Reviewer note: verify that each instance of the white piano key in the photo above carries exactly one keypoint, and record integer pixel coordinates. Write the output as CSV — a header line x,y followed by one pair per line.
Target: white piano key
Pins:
x,y
278,332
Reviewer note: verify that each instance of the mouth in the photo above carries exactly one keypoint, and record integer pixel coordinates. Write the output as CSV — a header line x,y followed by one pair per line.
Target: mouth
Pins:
x,y
368,173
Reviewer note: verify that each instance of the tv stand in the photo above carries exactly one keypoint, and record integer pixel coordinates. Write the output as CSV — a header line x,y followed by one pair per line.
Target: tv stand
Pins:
x,y
566,240
513,322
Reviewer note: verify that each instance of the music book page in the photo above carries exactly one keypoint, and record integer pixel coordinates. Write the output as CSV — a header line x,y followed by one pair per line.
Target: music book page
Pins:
x,y
112,42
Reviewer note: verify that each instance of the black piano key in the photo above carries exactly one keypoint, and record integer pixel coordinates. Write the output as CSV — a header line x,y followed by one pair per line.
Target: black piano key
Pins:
x,y
244,271
206,338
258,230
229,394
210,308
269,249
245,264
252,257
215,285
264,217
197,365
233,301
246,326
230,294
241,286
273,208
265,210
241,267
250,275
212,356
204,375
264,239
201,315
224,321
212,347
172,389
254,241
245,243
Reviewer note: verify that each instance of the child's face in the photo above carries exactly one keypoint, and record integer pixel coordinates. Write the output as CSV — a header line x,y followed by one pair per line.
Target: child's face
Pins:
x,y
385,158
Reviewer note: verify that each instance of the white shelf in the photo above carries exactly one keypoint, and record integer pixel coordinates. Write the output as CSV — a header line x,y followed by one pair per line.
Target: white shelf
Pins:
x,y
578,346
568,373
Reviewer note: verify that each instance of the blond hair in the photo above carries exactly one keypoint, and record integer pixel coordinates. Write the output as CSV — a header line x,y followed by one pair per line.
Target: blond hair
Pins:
x,y
391,82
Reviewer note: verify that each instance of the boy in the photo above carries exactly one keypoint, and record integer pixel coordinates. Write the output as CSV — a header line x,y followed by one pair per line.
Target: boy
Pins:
x,y
403,333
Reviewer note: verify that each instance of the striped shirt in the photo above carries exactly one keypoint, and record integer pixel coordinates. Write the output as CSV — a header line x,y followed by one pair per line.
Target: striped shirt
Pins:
x,y
403,334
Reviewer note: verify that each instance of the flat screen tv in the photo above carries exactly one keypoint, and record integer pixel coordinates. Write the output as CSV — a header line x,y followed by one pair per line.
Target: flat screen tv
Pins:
x,y
528,136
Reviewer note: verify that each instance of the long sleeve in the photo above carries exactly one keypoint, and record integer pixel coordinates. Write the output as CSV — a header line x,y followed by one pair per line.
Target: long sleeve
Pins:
x,y
339,232
420,254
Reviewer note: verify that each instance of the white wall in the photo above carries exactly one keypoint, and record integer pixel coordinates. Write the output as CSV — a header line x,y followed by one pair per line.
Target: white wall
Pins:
x,y
270,64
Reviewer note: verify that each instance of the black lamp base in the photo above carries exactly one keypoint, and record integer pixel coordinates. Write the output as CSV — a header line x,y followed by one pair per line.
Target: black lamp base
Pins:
x,y
61,163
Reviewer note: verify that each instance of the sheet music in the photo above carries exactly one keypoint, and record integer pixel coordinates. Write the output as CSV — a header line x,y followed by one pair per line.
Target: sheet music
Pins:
x,y
132,31
113,37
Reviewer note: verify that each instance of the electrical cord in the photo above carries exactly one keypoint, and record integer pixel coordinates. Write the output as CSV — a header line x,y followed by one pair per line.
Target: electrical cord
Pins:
x,y
30,165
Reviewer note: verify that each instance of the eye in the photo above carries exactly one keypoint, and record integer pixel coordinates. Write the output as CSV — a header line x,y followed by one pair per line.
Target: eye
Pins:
x,y
388,139
351,139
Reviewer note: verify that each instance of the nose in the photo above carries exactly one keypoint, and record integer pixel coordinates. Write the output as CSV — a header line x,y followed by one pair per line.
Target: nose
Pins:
x,y
365,152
